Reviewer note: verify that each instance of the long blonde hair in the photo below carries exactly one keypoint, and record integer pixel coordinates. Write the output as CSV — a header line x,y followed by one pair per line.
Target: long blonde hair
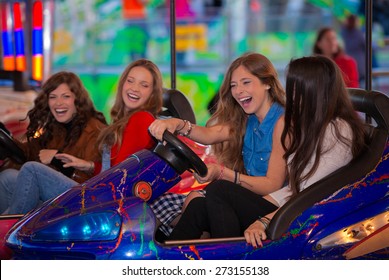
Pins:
x,y
113,134
230,113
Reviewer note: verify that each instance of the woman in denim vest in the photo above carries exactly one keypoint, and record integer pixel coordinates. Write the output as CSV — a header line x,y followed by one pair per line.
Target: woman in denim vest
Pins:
x,y
245,134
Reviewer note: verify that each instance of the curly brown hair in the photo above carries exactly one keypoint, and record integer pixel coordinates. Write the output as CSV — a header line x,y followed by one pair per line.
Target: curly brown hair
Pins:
x,y
229,112
113,134
42,121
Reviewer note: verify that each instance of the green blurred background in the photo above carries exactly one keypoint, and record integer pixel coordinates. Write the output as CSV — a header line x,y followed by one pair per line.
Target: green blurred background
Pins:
x,y
97,39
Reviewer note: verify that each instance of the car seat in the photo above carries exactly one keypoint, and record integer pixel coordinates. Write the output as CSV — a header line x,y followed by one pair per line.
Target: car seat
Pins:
x,y
177,105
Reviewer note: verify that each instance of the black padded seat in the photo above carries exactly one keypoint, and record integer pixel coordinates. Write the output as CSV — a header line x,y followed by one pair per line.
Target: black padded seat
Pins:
x,y
177,105
374,104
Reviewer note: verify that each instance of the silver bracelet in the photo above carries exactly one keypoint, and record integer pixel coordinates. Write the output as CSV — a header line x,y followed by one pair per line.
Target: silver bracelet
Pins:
x,y
265,224
187,133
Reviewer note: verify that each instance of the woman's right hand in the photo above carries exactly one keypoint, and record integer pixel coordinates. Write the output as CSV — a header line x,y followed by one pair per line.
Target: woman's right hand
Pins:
x,y
158,127
47,155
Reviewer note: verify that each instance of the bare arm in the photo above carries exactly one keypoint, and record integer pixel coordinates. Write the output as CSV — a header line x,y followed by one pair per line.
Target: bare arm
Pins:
x,y
276,173
263,185
203,135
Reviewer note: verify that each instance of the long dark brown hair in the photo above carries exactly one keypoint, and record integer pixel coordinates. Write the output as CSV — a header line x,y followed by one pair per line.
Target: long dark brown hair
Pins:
x,y
315,96
229,112
113,134
42,121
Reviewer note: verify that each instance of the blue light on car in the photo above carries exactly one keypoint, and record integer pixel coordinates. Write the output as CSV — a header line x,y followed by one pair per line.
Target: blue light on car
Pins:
x,y
86,230
65,231
98,226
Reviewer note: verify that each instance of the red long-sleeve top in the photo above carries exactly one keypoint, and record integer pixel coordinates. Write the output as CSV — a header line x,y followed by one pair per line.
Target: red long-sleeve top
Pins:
x,y
349,69
135,138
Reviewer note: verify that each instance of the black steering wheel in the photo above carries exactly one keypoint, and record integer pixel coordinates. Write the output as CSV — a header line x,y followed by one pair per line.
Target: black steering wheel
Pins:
x,y
9,149
180,156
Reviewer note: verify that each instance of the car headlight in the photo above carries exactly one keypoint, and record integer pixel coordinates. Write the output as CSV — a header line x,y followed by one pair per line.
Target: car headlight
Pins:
x,y
355,232
98,226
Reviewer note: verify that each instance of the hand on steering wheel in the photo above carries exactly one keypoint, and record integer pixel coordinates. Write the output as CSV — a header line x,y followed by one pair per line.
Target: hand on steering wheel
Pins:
x,y
180,156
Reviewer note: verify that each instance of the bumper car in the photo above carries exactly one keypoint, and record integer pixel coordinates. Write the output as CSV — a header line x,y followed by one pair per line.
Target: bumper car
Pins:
x,y
344,215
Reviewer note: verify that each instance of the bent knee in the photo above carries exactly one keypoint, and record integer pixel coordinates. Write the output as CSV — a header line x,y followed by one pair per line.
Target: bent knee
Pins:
x,y
32,167
216,187
197,202
31,164
190,197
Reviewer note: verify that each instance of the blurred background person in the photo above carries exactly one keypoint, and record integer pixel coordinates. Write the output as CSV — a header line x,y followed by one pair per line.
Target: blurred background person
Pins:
x,y
327,44
355,44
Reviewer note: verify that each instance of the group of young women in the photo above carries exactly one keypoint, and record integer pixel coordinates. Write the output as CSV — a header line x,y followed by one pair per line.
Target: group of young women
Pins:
x,y
59,136
269,143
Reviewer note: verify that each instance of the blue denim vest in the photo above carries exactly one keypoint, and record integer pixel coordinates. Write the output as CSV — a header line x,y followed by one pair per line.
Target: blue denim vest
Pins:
x,y
258,141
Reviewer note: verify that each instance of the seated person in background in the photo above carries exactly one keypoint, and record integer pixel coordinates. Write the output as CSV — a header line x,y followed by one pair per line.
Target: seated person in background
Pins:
x,y
249,121
327,44
63,119
322,133
138,101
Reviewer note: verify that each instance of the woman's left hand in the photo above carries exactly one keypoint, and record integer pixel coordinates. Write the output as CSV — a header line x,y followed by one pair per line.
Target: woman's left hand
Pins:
x,y
255,233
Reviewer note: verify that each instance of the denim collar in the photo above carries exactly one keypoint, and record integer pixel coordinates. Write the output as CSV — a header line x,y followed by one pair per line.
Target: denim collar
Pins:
x,y
261,128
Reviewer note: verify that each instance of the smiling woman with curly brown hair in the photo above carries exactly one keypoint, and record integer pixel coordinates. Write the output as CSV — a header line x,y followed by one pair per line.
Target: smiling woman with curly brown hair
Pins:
x,y
63,119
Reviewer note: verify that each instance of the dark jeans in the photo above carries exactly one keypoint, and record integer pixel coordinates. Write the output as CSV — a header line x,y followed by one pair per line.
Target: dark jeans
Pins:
x,y
226,211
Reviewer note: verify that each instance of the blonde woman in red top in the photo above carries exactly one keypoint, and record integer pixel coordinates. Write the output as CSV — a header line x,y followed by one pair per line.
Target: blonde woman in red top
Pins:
x,y
138,101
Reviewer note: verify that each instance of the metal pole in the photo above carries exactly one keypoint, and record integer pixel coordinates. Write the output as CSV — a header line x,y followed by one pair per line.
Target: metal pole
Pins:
x,y
368,28
173,43
368,56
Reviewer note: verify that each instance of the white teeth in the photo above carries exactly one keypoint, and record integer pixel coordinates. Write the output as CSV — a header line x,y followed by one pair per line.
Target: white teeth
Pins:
x,y
244,99
60,110
133,96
